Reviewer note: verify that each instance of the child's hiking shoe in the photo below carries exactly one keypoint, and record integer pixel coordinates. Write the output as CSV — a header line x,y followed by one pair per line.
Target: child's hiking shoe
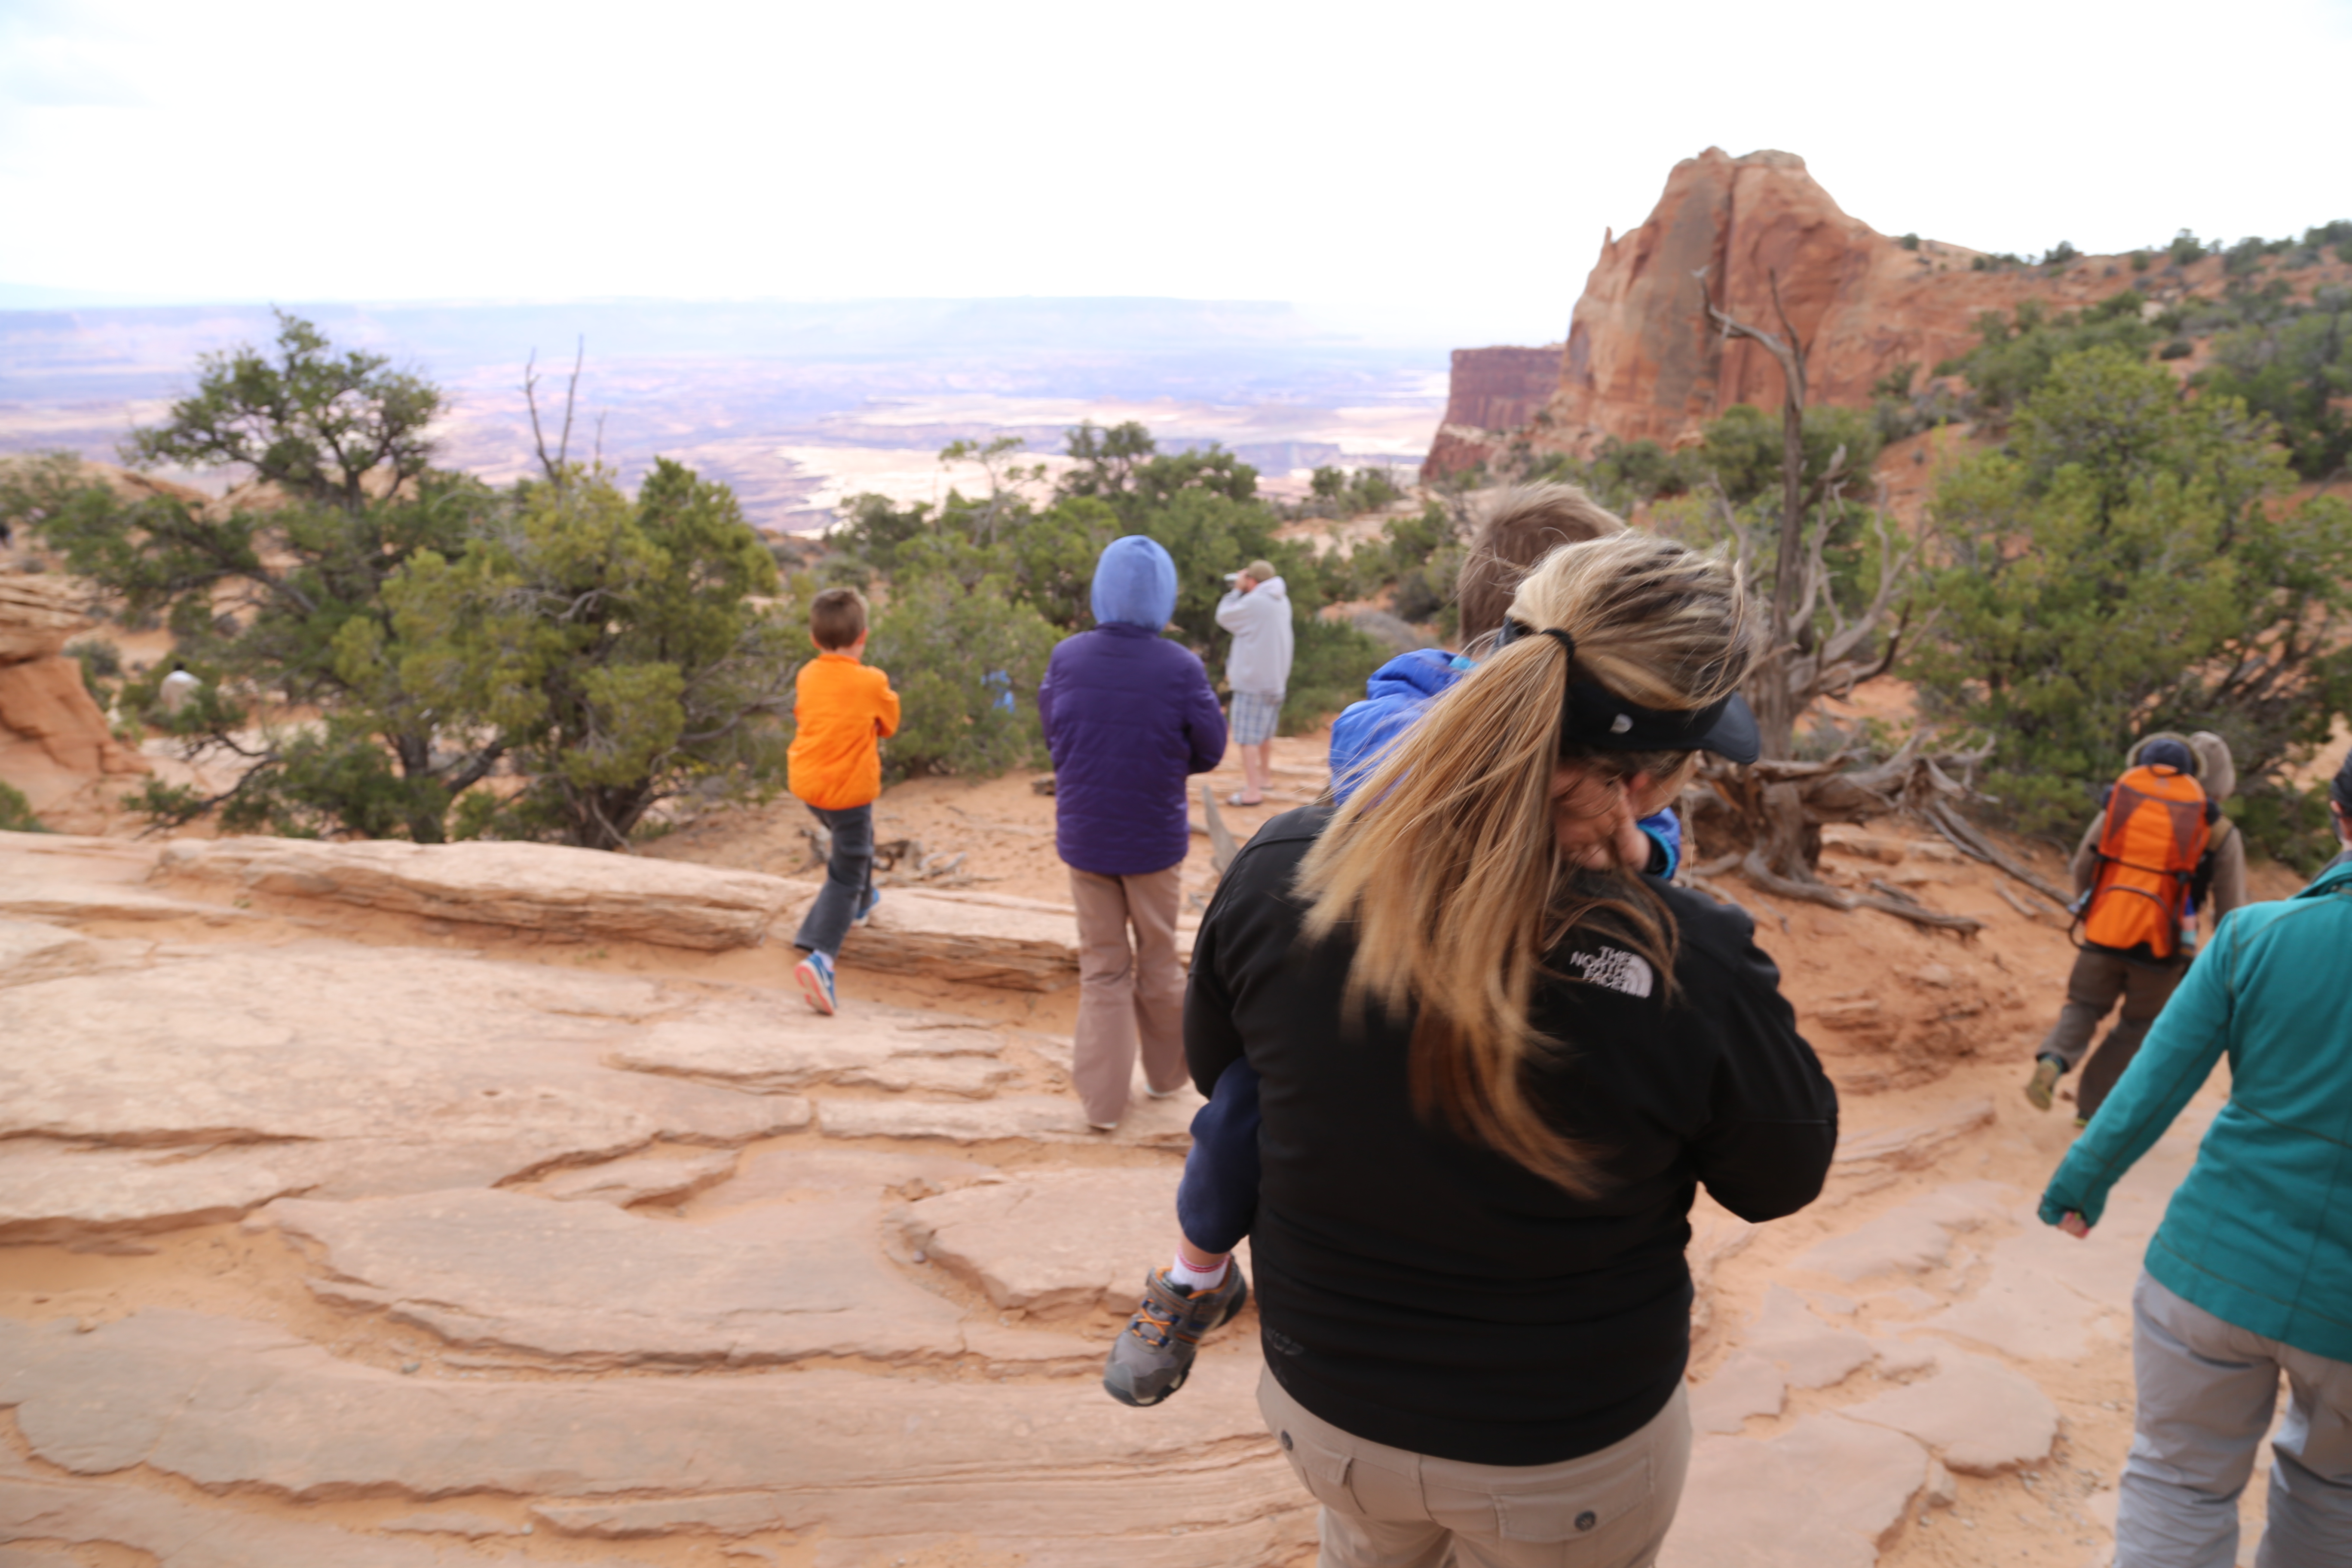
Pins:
x,y
815,974
1153,1355
2044,1081
866,911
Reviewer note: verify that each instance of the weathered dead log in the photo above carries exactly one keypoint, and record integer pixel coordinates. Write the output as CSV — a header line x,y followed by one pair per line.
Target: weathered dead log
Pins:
x,y
1964,837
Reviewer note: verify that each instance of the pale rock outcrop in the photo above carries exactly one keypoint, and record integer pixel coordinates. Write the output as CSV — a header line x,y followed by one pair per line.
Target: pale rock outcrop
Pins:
x,y
1039,1117
55,744
52,1190
1824,1494
1980,1416
772,1043
588,1285
1051,1470
1812,1353
553,890
589,895
639,1178
1053,1243
400,1070
1910,1239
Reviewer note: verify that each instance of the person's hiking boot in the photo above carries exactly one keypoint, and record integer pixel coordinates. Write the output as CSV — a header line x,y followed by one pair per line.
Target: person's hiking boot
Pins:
x,y
1153,1355
866,911
815,974
2044,1083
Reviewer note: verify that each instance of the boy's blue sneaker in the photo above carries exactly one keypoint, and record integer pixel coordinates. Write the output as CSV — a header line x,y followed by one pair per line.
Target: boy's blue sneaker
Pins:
x,y
1155,1351
815,974
866,912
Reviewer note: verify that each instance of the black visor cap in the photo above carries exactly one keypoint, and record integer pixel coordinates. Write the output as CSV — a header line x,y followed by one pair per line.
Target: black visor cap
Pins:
x,y
1598,719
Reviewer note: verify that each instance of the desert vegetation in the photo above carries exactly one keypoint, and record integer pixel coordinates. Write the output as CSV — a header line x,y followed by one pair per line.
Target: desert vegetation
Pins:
x,y
375,646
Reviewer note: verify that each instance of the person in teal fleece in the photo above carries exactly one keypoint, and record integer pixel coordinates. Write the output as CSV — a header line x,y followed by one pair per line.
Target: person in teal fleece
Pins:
x,y
2250,1273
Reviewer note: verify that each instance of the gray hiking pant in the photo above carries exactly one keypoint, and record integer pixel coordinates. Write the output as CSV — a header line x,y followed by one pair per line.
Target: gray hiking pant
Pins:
x,y
2206,1392
2098,980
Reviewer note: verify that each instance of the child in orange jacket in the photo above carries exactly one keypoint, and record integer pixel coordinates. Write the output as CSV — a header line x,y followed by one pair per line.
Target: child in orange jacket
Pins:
x,y
842,711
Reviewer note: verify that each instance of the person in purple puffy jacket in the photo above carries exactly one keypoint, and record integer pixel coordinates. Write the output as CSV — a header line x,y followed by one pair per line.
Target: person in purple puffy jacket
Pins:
x,y
1128,716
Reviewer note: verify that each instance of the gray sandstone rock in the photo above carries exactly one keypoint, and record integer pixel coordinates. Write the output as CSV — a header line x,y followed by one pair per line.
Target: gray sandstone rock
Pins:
x,y
1052,1242
1747,1385
179,1534
639,1178
403,1070
1814,1354
1980,1416
593,1286
772,1043
229,1404
775,1175
548,889
54,1190
1824,1494
1910,1239
1036,1118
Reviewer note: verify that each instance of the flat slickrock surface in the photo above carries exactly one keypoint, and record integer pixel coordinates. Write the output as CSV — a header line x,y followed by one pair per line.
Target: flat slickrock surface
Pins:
x,y
373,1208
543,888
590,1286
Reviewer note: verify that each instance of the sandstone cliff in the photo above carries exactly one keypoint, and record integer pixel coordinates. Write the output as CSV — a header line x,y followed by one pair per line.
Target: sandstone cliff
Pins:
x,y
1492,389
1642,364
54,743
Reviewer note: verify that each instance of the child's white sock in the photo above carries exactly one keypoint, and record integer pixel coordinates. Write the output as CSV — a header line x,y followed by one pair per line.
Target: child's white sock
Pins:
x,y
1182,1273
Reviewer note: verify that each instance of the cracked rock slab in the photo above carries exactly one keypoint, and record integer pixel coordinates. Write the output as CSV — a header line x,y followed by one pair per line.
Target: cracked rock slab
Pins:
x,y
1052,1242
1814,1354
1747,1385
227,1404
639,1178
1980,1416
546,888
590,1286
1911,1238
1824,1494
54,1190
772,1044
404,1071
1034,1118
185,1534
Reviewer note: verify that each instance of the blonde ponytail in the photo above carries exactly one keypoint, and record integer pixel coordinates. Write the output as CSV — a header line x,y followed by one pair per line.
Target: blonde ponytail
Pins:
x,y
1445,860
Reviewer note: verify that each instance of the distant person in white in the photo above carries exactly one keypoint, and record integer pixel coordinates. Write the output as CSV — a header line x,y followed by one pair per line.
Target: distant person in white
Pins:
x,y
1256,610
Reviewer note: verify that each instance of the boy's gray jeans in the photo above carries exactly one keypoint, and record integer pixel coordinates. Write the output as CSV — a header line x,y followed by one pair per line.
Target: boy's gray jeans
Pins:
x,y
2206,1392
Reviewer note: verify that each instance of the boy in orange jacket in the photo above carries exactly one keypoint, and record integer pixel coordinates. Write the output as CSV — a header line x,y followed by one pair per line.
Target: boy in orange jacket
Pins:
x,y
842,711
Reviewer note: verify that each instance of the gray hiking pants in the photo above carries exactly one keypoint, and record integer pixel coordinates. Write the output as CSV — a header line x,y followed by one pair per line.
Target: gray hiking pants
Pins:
x,y
2206,1392
2098,980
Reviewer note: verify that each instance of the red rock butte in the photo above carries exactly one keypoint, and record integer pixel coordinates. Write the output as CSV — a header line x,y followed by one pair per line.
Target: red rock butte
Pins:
x,y
1642,363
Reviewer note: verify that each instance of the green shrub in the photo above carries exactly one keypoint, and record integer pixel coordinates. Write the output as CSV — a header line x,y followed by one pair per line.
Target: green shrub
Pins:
x,y
2185,248
965,660
1909,242
1329,665
2177,348
2123,565
100,662
17,812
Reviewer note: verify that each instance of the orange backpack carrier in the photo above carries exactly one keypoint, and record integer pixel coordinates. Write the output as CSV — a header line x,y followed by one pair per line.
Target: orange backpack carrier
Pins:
x,y
2155,833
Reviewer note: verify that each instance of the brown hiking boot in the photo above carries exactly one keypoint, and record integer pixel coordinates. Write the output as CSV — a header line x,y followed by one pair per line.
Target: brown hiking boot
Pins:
x,y
2044,1081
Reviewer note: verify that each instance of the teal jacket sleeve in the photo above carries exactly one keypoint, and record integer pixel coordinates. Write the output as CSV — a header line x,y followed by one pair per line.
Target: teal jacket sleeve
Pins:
x,y
2173,1063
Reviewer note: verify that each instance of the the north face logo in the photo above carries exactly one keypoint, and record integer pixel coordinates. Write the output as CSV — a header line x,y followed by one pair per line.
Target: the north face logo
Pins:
x,y
1626,972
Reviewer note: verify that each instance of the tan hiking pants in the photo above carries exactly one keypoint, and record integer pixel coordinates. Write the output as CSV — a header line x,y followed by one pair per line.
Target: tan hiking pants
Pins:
x,y
1386,1507
1127,994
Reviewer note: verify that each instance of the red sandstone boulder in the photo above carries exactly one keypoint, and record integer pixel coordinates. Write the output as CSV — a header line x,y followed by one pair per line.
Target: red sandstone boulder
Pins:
x,y
54,743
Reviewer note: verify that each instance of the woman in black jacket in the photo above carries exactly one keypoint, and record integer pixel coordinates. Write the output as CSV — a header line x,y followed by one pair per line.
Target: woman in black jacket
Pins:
x,y
1495,1063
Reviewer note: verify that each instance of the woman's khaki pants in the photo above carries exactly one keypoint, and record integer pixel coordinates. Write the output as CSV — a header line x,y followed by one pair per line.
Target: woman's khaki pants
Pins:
x,y
1127,995
1386,1507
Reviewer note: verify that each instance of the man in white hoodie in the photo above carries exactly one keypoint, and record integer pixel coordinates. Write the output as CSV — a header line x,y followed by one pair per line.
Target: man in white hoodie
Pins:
x,y
1256,610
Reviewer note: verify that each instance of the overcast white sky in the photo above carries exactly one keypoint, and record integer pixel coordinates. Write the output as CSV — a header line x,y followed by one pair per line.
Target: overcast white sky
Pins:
x,y
1445,168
